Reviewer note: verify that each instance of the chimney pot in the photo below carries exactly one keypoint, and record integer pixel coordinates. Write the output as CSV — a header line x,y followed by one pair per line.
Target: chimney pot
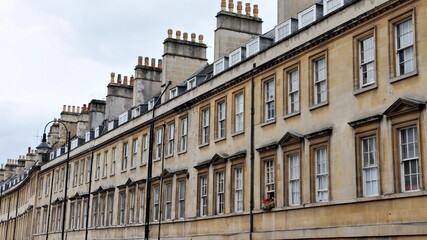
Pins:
x,y
68,108
153,62
239,7
230,6
200,38
55,120
223,5
139,60
113,75
170,32
78,109
29,149
74,109
146,60
185,36
178,35
160,63
125,80
132,80
193,37
248,9
119,79
64,108
84,107
256,10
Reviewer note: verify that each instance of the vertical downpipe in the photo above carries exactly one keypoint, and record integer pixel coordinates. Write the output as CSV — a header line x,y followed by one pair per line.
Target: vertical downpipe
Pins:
x,y
252,157
88,197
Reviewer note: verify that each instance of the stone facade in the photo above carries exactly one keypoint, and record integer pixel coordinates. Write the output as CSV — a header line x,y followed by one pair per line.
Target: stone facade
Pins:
x,y
334,147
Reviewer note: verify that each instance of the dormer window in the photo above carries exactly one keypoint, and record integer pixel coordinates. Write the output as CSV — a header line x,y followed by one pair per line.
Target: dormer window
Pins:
x,y
52,155
97,131
236,56
253,47
257,44
191,83
124,117
173,93
112,125
220,65
331,5
151,104
285,28
309,15
58,152
74,143
87,136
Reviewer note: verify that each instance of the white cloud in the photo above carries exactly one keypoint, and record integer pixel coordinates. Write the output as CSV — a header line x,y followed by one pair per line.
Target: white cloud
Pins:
x,y
56,52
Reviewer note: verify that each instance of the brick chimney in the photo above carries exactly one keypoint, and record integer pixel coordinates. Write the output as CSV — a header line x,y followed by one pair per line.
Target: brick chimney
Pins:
x,y
83,121
290,8
235,29
69,117
182,57
147,82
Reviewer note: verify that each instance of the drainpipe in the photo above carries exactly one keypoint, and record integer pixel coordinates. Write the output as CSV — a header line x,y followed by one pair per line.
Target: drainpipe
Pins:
x,y
150,167
252,157
161,180
16,214
50,203
88,197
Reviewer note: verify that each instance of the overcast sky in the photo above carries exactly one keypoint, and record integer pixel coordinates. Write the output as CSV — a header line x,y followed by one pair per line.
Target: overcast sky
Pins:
x,y
56,52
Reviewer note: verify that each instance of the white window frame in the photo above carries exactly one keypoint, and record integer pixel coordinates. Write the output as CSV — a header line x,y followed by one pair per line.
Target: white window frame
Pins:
x,y
293,91
98,166
151,104
269,100
144,156
191,83
123,118
221,115
253,47
134,153
284,25
168,201
122,208
235,57
205,126
156,203
203,196
131,216
369,166
113,161
320,84
125,156
220,185
239,112
327,10
294,180
173,93
409,161
76,172
105,165
238,189
403,49
184,134
322,174
181,199
141,205
366,64
269,180
311,10
82,171
159,142
110,209
220,65
171,138
87,137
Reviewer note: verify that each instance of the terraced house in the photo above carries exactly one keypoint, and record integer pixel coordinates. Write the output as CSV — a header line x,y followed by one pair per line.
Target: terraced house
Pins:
x,y
315,129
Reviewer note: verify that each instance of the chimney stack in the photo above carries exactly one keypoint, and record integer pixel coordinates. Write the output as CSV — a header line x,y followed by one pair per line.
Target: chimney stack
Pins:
x,y
182,57
147,80
235,29
290,8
